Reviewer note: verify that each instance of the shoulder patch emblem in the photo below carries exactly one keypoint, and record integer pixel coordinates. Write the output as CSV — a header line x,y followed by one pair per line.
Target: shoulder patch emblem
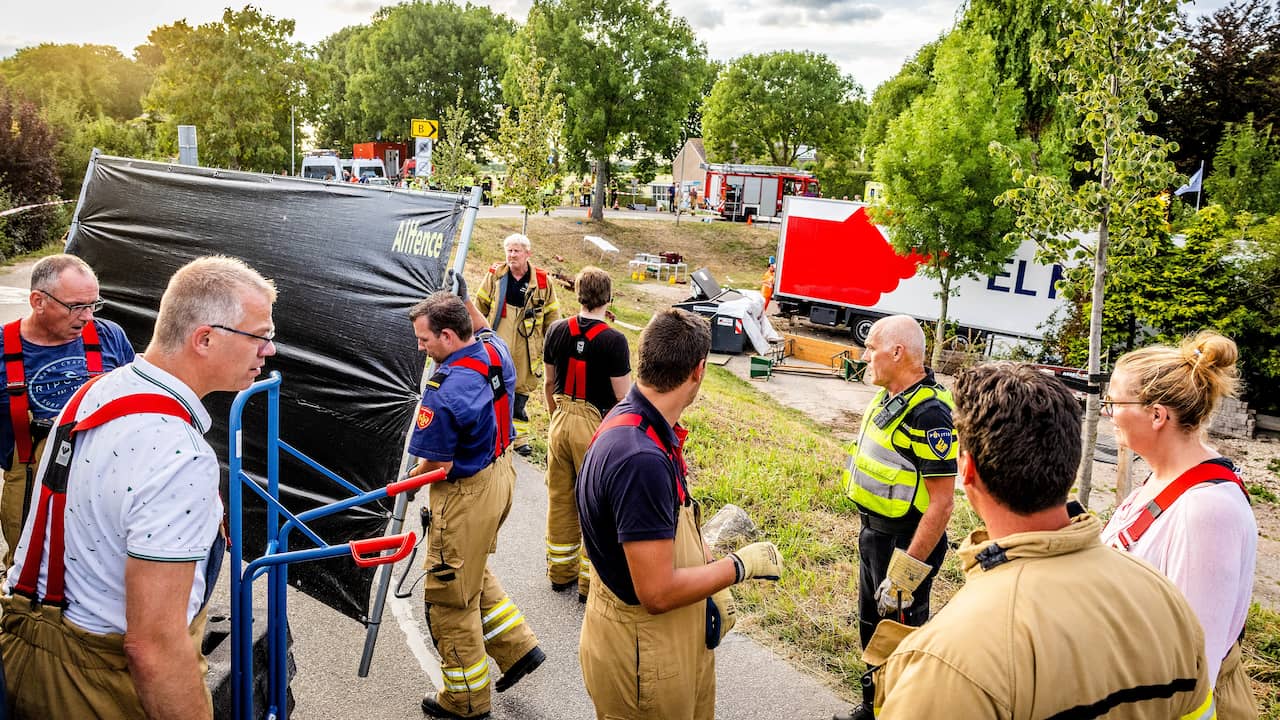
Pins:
x,y
940,441
425,416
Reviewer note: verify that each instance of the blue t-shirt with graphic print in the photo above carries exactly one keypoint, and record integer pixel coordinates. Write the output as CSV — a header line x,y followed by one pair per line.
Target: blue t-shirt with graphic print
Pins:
x,y
54,373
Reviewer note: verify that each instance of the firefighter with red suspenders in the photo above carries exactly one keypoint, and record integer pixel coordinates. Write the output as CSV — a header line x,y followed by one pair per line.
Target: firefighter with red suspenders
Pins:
x,y
464,426
48,355
105,617
659,604
588,370
1191,518
519,302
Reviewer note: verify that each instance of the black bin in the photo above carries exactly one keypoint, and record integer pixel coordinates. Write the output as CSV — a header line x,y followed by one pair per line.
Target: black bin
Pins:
x,y
727,335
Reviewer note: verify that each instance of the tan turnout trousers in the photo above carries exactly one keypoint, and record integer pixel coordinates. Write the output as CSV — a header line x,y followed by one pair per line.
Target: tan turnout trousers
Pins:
x,y
468,613
11,497
572,425
638,666
55,669
1232,693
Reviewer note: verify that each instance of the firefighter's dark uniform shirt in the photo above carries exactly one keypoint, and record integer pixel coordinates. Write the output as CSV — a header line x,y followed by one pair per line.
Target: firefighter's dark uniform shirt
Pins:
x,y
455,421
626,493
516,288
607,357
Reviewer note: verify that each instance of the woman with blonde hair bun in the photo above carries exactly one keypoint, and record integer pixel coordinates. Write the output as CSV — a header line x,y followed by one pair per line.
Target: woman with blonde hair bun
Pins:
x,y
1191,517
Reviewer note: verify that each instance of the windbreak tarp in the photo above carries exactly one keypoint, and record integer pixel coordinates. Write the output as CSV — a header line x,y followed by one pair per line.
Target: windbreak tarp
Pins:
x,y
348,261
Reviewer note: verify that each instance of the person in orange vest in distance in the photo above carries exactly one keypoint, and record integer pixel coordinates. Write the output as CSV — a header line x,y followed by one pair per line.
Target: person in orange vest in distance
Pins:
x,y
1050,623
48,355
588,366
519,303
766,283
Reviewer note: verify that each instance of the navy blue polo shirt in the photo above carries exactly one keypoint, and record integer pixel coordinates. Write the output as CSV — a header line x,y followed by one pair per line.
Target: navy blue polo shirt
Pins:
x,y
455,421
627,492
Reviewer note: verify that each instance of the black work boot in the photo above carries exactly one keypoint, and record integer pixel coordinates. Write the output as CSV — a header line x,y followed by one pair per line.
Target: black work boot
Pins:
x,y
858,712
432,707
522,667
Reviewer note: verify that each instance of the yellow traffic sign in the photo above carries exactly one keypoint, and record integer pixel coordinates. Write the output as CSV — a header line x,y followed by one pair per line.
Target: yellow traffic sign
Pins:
x,y
426,129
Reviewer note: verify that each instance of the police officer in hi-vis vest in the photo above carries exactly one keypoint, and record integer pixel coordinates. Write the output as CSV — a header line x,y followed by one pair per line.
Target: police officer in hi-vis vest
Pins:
x,y
464,426
901,473
519,302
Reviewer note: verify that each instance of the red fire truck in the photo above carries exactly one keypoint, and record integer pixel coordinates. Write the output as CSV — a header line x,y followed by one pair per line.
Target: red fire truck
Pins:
x,y
741,191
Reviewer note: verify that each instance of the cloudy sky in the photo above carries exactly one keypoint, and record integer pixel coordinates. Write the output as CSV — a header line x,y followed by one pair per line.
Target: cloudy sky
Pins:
x,y
869,39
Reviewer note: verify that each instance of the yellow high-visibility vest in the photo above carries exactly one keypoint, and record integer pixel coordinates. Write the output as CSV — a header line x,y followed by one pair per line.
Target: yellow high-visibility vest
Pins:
x,y
879,478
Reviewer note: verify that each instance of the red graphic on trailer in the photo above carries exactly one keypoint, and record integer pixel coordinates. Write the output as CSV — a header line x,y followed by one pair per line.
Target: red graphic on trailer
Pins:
x,y
873,267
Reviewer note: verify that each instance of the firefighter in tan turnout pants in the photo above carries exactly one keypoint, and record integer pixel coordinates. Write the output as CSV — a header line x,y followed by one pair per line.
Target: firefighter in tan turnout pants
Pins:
x,y
658,605
464,426
1050,623
48,355
519,302
588,369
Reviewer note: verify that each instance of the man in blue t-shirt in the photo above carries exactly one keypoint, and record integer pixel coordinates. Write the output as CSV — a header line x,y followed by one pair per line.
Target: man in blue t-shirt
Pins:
x,y
58,347
464,426
658,604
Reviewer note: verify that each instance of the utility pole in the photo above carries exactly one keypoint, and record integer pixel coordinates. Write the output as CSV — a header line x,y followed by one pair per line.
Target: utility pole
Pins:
x,y
292,144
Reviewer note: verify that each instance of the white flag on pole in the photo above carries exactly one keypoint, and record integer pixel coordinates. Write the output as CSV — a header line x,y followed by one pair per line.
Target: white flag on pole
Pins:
x,y
1193,185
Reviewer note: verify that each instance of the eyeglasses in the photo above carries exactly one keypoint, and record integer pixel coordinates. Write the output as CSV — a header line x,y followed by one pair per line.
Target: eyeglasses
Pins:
x,y
265,340
1108,406
95,306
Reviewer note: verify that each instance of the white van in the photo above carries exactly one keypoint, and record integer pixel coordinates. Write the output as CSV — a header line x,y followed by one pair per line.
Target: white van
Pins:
x,y
322,167
364,168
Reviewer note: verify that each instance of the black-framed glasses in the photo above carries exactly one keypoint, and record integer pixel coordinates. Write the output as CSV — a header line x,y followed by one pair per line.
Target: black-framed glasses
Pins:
x,y
1108,406
95,306
264,339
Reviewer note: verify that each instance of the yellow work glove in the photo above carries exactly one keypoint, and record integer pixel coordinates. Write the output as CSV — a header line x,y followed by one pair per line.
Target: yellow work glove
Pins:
x,y
757,560
722,613
904,575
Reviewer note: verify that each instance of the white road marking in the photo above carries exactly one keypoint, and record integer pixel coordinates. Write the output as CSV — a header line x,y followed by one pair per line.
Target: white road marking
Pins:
x,y
404,611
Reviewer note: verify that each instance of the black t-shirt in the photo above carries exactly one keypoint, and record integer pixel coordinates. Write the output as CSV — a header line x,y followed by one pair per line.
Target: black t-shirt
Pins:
x,y
607,357
627,493
516,288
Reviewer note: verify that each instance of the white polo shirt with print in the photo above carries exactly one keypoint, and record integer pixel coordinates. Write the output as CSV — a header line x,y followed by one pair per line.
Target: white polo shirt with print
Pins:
x,y
144,486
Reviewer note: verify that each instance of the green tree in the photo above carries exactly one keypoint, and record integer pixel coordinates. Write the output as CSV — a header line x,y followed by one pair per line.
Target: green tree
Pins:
x,y
409,63
529,134
940,181
452,164
1246,175
1233,71
629,72
28,172
95,79
1113,61
338,117
896,94
235,80
769,106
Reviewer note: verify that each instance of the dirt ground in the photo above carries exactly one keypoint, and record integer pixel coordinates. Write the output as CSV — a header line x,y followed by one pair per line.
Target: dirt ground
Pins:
x,y
838,405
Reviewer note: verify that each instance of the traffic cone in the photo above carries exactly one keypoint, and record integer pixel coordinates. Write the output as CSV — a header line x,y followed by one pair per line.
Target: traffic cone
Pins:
x,y
749,219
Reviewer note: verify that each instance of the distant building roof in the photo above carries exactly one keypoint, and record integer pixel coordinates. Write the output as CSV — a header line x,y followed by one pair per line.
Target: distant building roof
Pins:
x,y
687,165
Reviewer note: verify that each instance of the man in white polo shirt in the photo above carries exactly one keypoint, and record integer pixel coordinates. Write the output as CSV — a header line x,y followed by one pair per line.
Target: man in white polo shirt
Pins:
x,y
141,546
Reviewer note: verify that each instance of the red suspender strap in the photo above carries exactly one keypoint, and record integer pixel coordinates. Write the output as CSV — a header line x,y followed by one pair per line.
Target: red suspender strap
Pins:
x,y
92,349
501,401
575,381
1207,472
635,420
51,508
15,376
16,384
542,278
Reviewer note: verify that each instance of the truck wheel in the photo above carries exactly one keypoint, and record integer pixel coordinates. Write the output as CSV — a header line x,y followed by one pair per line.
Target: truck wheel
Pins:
x,y
860,326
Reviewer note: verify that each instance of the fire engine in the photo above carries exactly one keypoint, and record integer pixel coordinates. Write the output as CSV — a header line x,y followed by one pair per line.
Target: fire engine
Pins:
x,y
837,268
738,192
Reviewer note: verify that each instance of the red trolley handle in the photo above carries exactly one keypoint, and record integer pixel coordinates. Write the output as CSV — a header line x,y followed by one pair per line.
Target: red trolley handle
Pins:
x,y
361,549
415,482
